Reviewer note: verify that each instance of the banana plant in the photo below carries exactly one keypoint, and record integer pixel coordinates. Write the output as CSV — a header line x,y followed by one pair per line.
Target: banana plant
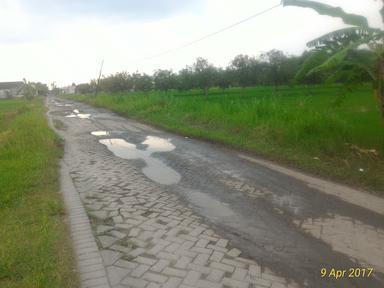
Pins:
x,y
340,47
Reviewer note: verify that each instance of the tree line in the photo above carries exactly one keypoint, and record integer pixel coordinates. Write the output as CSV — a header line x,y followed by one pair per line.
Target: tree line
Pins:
x,y
271,68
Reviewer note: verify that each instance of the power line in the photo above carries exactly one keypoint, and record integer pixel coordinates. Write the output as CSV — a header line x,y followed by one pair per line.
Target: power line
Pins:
x,y
211,34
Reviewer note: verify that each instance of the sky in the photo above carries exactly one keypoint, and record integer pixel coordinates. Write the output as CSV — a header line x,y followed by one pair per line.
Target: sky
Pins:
x,y
65,41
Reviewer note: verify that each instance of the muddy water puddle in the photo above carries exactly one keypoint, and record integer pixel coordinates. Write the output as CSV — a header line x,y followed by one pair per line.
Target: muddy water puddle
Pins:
x,y
214,209
155,169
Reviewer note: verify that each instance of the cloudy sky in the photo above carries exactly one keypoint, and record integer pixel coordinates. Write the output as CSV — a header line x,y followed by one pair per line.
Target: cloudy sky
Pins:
x,y
66,40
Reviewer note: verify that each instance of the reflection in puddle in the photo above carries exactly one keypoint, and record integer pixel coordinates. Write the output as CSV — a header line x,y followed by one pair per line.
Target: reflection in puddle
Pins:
x,y
155,169
81,116
212,208
157,144
351,237
60,104
76,114
100,133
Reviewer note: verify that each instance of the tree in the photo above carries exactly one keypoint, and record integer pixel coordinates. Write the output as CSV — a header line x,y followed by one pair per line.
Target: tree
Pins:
x,y
41,89
241,66
205,74
143,82
54,89
84,88
29,90
281,68
185,79
341,46
223,78
164,80
115,83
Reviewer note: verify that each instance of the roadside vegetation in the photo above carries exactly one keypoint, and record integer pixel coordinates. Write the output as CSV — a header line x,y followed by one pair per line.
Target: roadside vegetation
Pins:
x,y
322,129
35,248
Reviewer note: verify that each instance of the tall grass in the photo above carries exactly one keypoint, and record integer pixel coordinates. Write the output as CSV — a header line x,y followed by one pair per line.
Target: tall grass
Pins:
x,y
312,128
34,241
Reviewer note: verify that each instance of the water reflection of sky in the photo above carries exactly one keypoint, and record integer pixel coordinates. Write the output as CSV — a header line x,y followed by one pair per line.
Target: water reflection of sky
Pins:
x,y
155,169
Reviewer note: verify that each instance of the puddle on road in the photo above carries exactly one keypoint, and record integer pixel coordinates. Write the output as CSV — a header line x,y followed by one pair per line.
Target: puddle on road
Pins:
x,y
157,144
60,104
76,114
155,169
351,237
81,116
100,133
211,207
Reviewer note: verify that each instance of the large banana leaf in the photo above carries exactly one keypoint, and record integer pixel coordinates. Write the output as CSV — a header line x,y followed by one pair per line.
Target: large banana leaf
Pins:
x,y
324,9
335,60
365,60
343,35
314,60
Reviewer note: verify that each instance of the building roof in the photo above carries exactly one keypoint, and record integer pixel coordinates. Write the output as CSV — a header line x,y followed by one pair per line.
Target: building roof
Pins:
x,y
10,85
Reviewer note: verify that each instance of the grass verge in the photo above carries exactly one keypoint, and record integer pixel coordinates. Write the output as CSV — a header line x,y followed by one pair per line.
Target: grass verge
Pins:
x,y
35,248
320,129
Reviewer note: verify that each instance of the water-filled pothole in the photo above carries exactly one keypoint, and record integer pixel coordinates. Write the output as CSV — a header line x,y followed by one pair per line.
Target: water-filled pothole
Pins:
x,y
76,114
100,133
155,169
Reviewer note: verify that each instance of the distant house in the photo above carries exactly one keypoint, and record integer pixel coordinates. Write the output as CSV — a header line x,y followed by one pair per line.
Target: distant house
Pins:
x,y
11,89
70,89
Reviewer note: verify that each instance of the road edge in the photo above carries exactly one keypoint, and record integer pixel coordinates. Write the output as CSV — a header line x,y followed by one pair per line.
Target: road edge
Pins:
x,y
347,194
89,261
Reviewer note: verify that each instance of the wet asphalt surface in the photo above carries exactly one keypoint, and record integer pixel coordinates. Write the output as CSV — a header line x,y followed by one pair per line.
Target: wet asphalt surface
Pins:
x,y
260,210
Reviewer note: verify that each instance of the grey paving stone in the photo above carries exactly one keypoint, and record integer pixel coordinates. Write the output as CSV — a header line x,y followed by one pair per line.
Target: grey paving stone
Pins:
x,y
106,241
110,257
116,274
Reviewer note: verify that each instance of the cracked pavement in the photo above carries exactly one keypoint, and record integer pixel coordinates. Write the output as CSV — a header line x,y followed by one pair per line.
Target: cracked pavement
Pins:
x,y
201,215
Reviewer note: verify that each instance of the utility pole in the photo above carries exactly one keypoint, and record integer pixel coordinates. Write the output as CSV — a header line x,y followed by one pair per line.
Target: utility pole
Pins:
x,y
98,79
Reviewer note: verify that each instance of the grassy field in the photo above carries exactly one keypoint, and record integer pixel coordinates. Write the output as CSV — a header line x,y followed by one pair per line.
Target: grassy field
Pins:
x,y
317,129
35,249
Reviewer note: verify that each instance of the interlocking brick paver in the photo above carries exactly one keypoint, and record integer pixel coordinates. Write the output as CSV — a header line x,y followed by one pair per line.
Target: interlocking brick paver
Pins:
x,y
160,265
201,259
173,282
135,282
235,283
174,272
140,270
183,262
154,277
215,275
145,260
221,266
116,274
192,277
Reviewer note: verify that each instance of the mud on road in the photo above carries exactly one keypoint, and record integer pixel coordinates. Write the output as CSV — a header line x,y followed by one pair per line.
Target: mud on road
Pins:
x,y
292,227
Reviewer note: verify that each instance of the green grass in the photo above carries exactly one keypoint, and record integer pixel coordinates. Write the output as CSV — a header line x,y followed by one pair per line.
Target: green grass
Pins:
x,y
311,128
35,249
